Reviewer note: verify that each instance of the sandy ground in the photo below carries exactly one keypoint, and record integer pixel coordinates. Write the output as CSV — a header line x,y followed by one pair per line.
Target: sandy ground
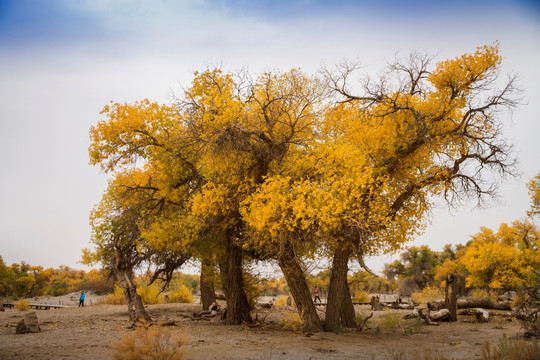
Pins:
x,y
87,333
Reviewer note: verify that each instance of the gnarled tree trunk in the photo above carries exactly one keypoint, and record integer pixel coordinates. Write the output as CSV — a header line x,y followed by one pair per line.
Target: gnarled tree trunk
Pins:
x,y
338,292
237,302
136,309
208,293
450,296
296,280
346,309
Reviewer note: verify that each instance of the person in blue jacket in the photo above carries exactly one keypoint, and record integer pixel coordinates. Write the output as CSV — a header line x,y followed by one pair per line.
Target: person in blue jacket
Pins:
x,y
81,299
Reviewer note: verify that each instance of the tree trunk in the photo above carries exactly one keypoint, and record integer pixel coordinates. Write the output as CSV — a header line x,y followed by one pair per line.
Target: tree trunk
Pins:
x,y
296,280
237,303
336,291
136,309
208,293
224,275
346,309
450,296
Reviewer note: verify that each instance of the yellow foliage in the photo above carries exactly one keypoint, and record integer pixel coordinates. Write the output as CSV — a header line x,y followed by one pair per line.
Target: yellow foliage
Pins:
x,y
506,258
22,305
116,298
150,343
292,321
181,295
484,294
274,161
281,300
361,296
428,294
534,192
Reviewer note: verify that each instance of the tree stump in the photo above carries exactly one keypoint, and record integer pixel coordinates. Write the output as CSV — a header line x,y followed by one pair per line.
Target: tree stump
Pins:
x,y
376,304
29,324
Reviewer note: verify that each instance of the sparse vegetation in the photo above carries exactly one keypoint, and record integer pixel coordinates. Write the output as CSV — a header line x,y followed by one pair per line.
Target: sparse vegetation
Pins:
x,y
511,349
22,305
391,321
292,322
428,294
150,343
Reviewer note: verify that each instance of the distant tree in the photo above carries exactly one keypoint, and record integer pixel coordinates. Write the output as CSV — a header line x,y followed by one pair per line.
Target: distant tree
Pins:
x,y
506,259
7,278
534,191
417,263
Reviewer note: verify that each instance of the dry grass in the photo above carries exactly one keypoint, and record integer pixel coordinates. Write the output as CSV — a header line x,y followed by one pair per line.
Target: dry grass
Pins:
x,y
511,349
150,343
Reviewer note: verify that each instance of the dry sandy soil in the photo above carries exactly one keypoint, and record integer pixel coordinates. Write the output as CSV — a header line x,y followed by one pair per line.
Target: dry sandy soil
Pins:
x,y
87,333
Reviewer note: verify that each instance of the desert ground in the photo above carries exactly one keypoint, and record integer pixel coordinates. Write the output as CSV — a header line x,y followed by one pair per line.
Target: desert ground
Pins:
x,y
87,333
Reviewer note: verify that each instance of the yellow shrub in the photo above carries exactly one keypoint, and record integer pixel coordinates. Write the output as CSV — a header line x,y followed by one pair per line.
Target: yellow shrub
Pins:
x,y
281,300
428,294
150,343
181,295
22,305
150,294
292,321
116,298
361,296
482,294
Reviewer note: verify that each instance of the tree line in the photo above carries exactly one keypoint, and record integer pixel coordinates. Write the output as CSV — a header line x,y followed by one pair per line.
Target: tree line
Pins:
x,y
287,167
22,280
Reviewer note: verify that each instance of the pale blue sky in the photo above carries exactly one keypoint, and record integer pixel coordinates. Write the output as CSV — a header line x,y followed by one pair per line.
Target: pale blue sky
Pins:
x,y
61,61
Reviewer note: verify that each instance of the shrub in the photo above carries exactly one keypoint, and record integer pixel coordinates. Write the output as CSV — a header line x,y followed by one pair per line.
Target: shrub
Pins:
x,y
181,295
361,296
428,294
22,305
482,294
281,300
513,349
148,344
292,321
116,298
362,318
150,294
391,321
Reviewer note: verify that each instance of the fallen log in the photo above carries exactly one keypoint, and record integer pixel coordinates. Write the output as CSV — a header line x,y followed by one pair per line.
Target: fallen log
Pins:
x,y
481,315
429,317
483,303
215,309
423,313
401,306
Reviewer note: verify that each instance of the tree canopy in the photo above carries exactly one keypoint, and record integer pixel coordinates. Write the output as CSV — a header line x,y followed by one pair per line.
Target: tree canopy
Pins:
x,y
287,166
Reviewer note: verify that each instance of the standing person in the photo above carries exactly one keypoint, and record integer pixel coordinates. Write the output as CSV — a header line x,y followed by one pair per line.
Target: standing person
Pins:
x,y
317,295
81,299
